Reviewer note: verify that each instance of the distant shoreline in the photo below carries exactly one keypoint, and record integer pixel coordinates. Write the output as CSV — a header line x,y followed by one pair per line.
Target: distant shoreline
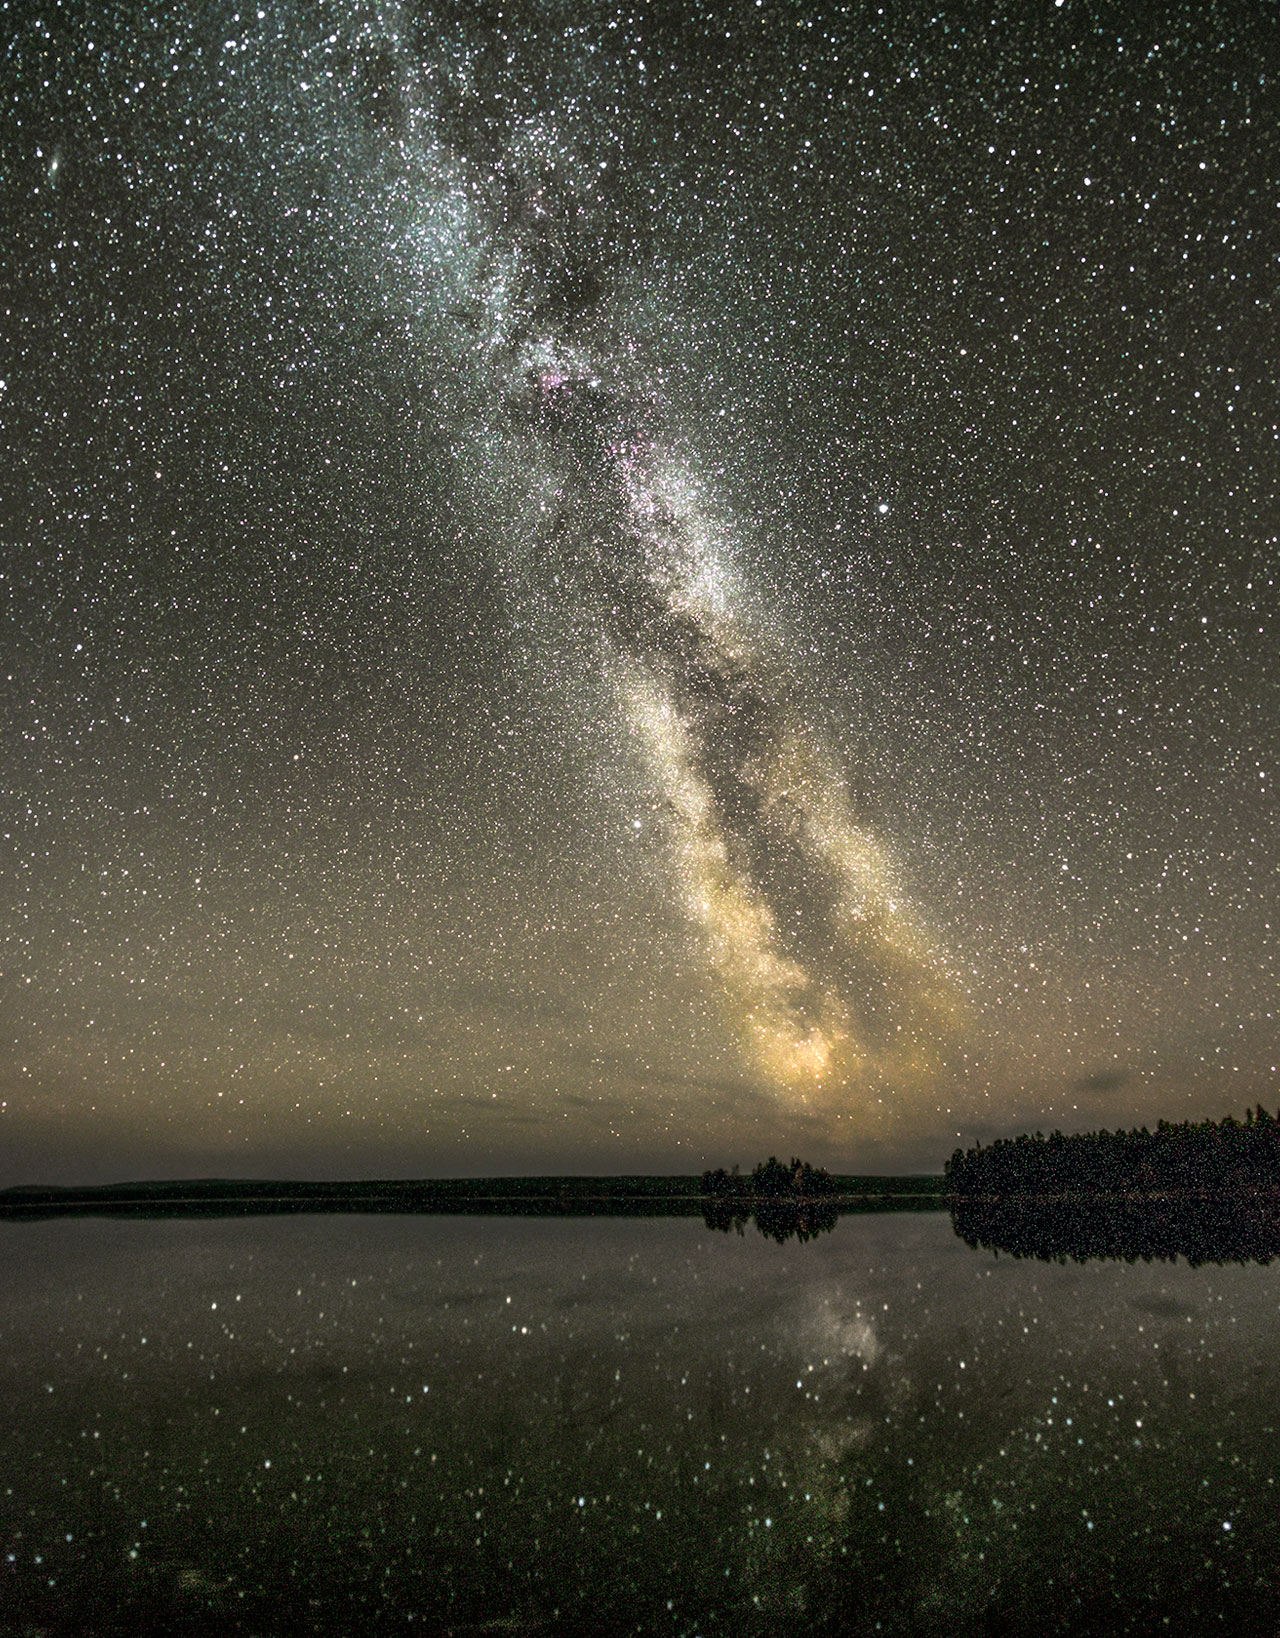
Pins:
x,y
533,1196
634,1196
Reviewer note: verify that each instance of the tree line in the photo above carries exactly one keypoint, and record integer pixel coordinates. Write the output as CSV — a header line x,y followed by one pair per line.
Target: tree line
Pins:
x,y
1198,1157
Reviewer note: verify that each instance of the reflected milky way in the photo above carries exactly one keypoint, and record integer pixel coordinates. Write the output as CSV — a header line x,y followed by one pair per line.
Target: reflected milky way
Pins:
x,y
465,1425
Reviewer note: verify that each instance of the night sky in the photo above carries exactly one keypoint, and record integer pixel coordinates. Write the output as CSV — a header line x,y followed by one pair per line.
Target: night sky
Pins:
x,y
621,589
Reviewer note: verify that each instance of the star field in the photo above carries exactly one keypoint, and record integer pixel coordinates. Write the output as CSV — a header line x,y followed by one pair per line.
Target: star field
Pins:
x,y
617,588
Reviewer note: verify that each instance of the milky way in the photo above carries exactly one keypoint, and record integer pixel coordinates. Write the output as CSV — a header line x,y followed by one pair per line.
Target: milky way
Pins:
x,y
828,983
627,587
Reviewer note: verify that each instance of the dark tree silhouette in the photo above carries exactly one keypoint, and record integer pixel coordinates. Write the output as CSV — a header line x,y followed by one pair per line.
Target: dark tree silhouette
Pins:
x,y
770,1180
1204,1158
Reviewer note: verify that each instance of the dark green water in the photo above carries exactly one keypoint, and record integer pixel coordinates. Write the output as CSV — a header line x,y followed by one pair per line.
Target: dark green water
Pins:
x,y
348,1424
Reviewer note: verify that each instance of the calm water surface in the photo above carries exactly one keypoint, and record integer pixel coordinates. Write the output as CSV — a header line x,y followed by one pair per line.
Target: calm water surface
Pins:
x,y
339,1424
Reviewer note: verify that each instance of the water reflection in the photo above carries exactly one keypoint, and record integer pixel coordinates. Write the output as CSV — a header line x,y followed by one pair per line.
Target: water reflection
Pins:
x,y
337,1425
1228,1229
779,1220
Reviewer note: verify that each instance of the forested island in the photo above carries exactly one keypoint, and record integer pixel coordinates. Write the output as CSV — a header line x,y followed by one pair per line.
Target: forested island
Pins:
x,y
1202,1158
771,1180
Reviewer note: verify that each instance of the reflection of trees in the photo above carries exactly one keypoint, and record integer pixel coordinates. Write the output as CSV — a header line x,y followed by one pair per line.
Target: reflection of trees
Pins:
x,y
1200,1158
785,1202
780,1220
1233,1229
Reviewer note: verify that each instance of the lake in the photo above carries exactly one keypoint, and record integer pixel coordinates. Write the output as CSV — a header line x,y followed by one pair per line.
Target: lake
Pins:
x,y
339,1424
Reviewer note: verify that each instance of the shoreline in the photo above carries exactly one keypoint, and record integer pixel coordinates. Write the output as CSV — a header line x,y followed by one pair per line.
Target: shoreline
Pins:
x,y
584,1196
536,1196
